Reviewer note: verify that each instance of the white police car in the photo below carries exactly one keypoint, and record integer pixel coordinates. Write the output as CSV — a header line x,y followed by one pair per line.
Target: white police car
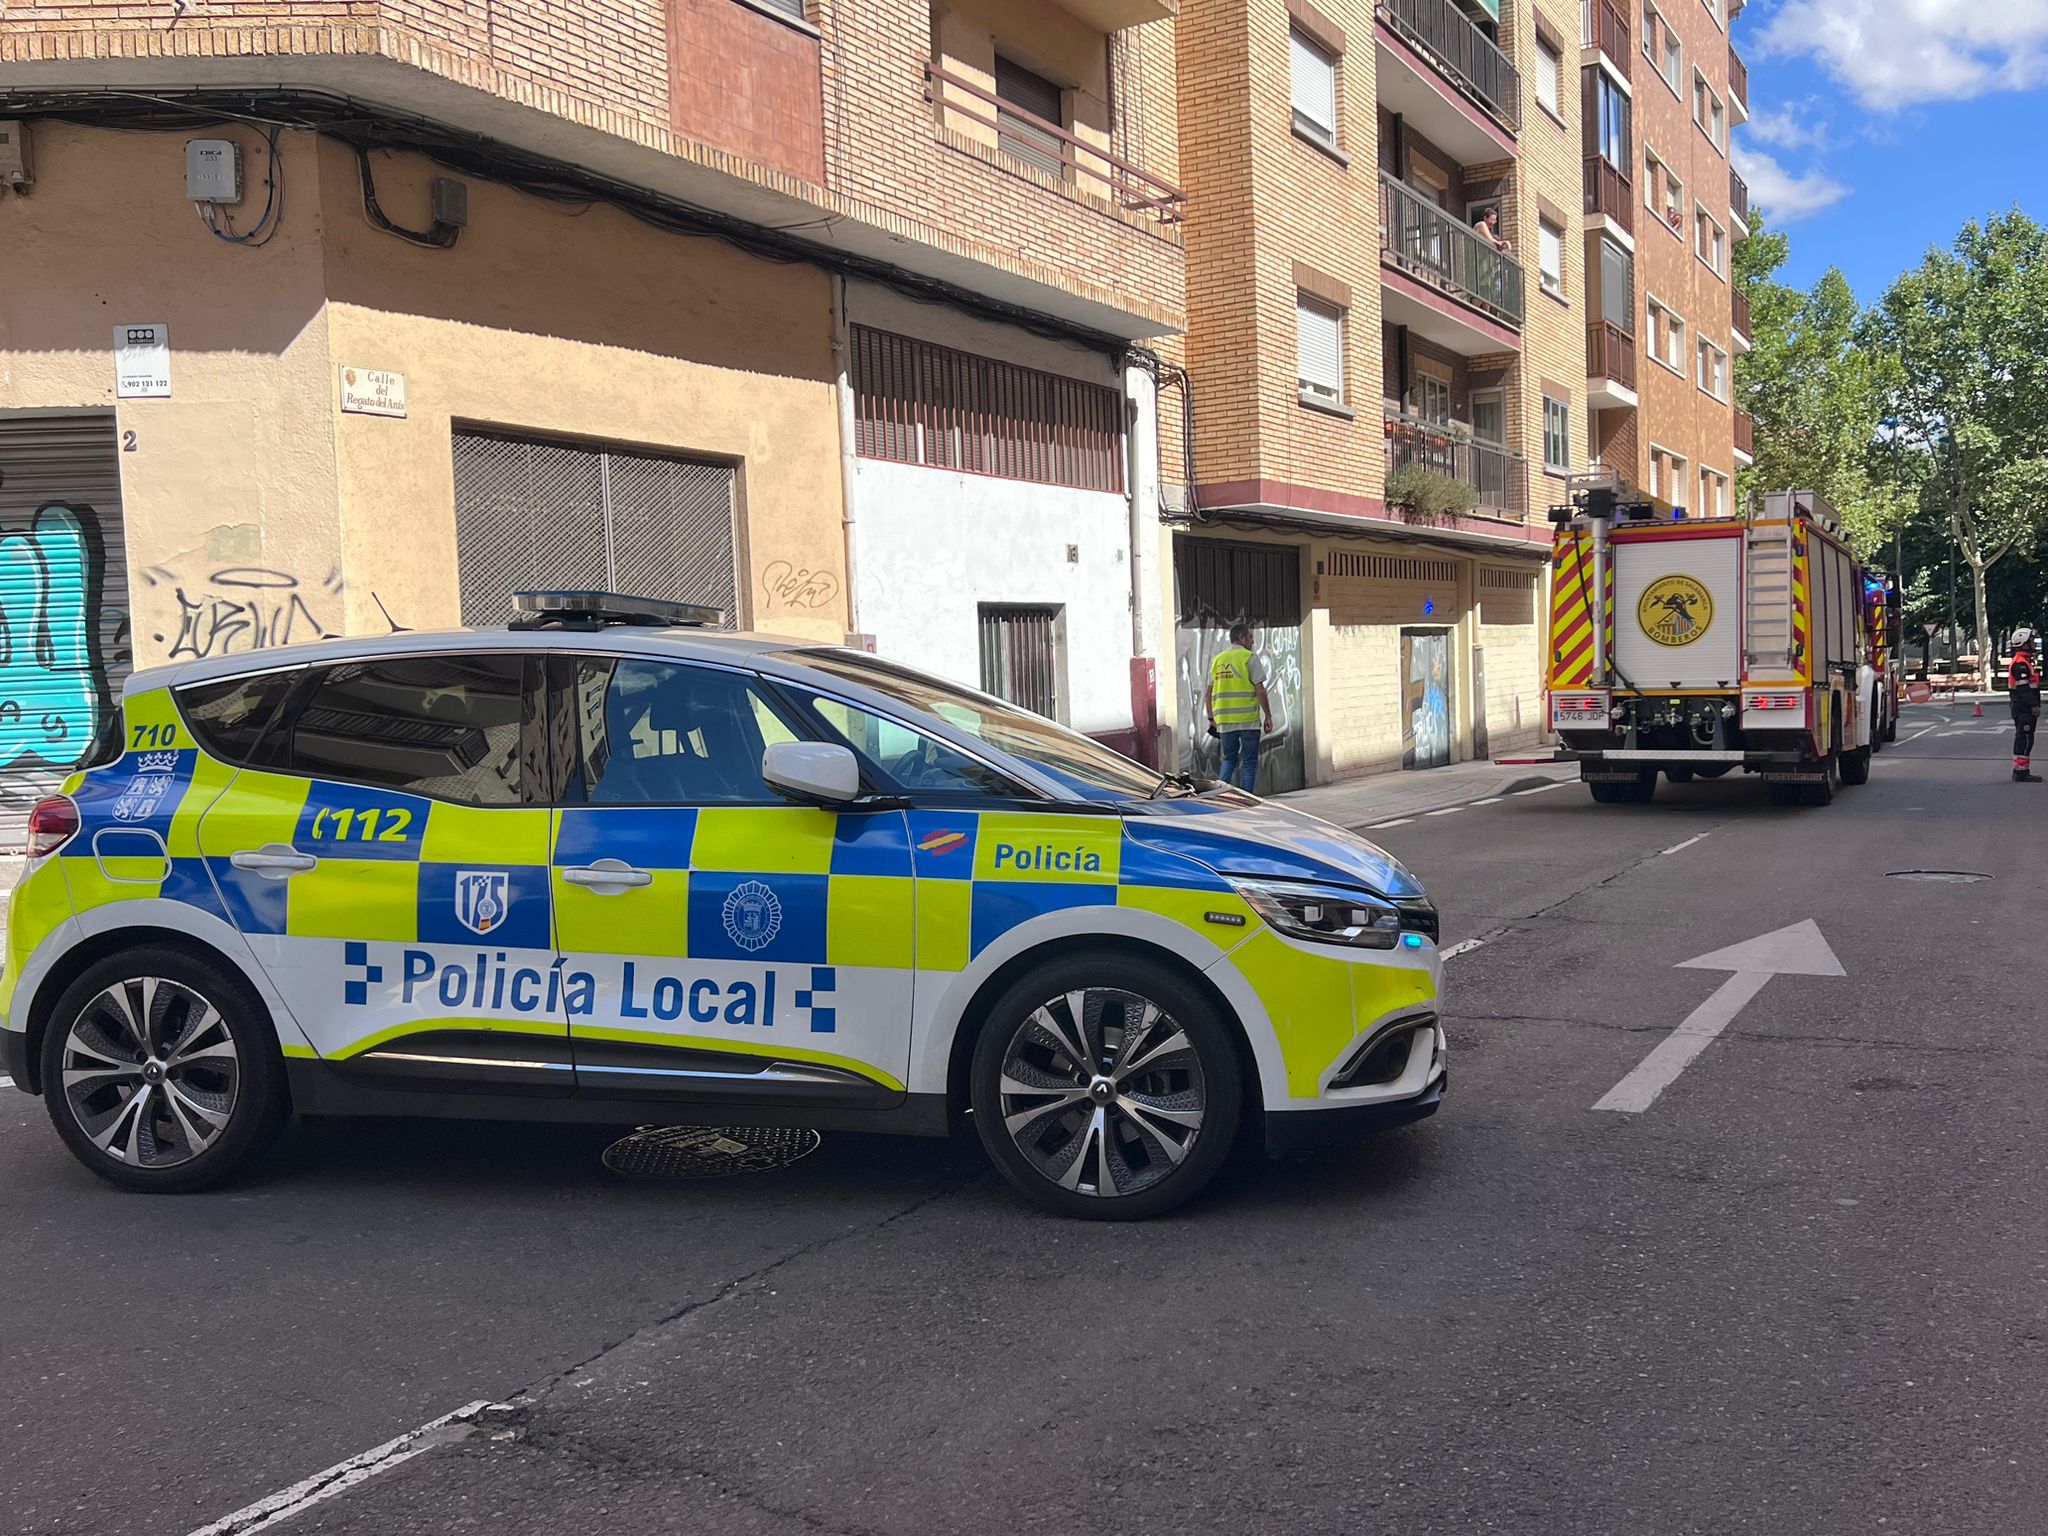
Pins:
x,y
601,866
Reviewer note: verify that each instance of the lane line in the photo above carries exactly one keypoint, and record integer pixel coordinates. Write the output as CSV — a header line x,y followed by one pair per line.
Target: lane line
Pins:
x,y
1462,947
1494,801
1399,821
1449,810
1681,847
1543,788
1677,1051
344,1475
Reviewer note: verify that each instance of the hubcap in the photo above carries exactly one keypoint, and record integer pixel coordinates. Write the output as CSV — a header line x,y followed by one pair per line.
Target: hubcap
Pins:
x,y
150,1072
1102,1092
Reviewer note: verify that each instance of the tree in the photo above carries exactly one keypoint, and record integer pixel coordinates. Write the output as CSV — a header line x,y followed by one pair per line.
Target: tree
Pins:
x,y
1967,338
1817,394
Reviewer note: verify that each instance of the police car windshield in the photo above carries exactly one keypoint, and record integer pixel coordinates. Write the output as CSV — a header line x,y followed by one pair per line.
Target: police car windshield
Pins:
x,y
1085,767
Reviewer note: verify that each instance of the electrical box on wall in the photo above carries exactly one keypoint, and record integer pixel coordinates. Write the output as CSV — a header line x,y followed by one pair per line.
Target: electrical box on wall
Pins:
x,y
213,170
16,169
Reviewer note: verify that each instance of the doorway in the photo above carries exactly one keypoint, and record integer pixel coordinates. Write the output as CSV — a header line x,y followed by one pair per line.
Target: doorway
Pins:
x,y
1425,698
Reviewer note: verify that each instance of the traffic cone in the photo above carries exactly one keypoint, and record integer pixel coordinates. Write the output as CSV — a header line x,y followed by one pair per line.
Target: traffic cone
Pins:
x,y
1977,713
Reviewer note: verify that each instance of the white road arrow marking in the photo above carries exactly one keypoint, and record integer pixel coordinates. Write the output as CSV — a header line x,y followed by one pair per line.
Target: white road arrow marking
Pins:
x,y
1799,950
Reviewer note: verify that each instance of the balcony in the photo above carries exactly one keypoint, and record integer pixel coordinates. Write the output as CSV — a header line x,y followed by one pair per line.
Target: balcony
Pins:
x,y
1738,321
1738,201
1610,367
1088,168
1738,87
1452,45
1745,437
1441,253
1603,25
1610,194
1499,476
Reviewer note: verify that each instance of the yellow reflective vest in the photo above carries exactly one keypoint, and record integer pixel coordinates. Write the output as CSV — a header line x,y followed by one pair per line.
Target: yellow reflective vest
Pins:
x,y
1233,700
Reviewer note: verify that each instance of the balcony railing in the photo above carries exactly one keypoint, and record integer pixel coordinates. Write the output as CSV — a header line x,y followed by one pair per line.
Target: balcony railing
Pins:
x,y
1738,78
1604,25
1498,475
1082,164
1740,319
1609,192
1610,353
1738,197
1441,249
1745,433
1467,55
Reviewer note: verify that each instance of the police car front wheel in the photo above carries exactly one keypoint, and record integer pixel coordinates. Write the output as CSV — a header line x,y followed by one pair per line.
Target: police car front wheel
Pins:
x,y
1106,1087
161,1071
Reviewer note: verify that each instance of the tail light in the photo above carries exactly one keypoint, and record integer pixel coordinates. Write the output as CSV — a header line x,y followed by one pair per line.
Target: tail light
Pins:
x,y
52,824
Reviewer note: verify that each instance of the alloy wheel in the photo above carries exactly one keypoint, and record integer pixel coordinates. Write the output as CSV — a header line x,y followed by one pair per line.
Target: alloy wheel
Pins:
x,y
1102,1092
151,1072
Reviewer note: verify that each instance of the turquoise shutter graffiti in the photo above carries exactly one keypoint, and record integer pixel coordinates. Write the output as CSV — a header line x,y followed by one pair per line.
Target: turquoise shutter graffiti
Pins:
x,y
51,704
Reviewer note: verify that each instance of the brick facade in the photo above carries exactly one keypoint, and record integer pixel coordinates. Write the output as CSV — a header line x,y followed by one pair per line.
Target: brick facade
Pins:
x,y
747,82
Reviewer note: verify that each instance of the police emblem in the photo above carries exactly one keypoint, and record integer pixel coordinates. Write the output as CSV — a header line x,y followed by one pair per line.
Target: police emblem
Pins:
x,y
753,916
152,781
482,899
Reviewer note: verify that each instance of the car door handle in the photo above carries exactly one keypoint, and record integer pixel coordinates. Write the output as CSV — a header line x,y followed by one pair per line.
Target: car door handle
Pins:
x,y
276,860
607,876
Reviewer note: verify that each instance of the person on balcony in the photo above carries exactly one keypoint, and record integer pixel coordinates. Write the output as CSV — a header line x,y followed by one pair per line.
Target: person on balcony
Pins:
x,y
1488,225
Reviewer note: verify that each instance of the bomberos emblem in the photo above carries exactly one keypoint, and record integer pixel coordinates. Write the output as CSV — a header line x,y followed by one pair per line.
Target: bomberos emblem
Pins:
x,y
1675,610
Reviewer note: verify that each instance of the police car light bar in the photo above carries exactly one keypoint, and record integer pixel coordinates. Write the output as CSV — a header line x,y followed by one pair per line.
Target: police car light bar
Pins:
x,y
572,609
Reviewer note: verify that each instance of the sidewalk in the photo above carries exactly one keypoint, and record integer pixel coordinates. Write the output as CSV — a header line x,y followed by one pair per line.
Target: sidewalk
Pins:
x,y
1416,792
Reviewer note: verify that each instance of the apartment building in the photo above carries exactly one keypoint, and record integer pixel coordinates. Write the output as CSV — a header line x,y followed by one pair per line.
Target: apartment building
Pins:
x,y
820,312
1388,396
1662,86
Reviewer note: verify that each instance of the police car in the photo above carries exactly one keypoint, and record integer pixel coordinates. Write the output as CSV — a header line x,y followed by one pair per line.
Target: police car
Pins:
x,y
608,865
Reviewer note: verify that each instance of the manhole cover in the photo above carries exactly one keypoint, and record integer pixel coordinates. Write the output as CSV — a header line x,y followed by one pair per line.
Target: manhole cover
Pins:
x,y
706,1151
1938,876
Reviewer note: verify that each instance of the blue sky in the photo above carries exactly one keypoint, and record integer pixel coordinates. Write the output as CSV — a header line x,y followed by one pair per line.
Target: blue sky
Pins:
x,y
1878,126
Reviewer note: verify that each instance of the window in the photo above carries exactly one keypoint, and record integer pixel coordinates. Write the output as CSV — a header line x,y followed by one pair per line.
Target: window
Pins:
x,y
1029,102
447,726
660,733
1084,766
1557,437
1550,256
228,717
1607,108
919,403
1548,69
1712,369
790,8
1662,47
1710,240
1673,67
1617,286
1708,112
1663,192
908,758
1314,88
1667,476
1319,348
1666,335
1023,657
1713,500
1433,398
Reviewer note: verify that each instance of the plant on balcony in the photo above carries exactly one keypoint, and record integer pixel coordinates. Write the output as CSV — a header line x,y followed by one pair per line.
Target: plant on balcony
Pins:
x,y
1424,495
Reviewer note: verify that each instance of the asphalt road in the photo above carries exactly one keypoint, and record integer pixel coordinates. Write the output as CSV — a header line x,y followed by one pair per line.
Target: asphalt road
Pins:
x,y
1805,1291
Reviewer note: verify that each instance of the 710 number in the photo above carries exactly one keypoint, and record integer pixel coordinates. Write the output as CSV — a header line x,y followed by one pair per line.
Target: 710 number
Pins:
x,y
365,826
155,736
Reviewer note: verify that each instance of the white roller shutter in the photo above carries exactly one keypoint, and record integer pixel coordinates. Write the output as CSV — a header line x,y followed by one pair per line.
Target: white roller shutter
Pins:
x,y
1712,657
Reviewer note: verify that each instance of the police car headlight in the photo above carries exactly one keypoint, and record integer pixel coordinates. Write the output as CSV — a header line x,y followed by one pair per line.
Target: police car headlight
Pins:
x,y
1325,914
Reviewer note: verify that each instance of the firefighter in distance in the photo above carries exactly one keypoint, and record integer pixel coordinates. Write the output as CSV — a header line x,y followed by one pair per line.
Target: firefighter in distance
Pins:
x,y
2023,687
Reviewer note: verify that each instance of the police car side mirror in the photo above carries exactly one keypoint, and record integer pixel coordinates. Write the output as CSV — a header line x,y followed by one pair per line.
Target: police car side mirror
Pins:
x,y
817,771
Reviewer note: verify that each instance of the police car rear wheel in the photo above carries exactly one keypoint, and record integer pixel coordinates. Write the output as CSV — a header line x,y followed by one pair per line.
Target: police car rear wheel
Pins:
x,y
161,1073
1106,1088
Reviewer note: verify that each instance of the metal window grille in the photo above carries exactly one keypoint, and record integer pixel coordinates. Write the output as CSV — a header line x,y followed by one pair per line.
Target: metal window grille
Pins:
x,y
531,513
1020,657
918,403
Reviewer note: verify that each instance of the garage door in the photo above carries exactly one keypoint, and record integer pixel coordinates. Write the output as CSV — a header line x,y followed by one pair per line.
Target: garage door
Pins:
x,y
534,513
64,640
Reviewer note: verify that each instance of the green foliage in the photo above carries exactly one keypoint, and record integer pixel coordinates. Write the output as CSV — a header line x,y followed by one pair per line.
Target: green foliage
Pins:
x,y
1425,495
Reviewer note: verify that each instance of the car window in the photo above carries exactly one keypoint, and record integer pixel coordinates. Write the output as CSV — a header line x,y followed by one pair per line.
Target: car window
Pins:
x,y
907,758
447,726
227,718
665,733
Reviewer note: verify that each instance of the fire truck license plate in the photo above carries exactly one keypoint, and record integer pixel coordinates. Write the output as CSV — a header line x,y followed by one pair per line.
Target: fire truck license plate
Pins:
x,y
1568,710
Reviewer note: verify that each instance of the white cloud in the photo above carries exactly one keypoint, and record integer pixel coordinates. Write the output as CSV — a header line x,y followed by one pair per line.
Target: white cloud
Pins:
x,y
1781,194
1893,53
1797,125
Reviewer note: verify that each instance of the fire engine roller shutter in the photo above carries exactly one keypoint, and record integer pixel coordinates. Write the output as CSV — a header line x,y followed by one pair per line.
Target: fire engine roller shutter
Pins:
x,y
535,513
65,646
1712,659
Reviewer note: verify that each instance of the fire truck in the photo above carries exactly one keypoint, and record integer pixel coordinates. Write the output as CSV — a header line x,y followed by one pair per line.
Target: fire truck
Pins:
x,y
1883,623
1716,644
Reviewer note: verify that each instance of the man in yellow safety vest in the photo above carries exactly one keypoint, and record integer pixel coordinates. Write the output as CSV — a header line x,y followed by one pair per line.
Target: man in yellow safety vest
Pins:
x,y
1238,708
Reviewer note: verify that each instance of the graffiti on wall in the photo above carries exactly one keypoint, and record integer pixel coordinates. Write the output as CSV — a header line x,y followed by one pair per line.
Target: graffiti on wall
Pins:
x,y
53,695
249,608
1282,764
1425,698
797,588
